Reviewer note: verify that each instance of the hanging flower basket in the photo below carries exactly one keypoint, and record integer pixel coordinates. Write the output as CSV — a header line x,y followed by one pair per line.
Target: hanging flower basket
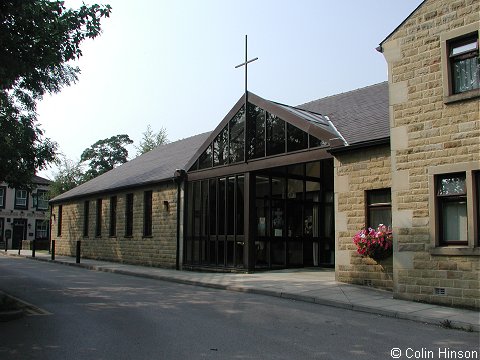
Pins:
x,y
376,244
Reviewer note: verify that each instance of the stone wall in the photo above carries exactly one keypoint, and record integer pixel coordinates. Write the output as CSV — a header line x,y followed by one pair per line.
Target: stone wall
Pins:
x,y
156,250
355,173
431,133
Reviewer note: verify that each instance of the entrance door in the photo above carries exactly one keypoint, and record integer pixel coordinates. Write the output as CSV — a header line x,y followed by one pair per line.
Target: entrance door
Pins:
x,y
19,233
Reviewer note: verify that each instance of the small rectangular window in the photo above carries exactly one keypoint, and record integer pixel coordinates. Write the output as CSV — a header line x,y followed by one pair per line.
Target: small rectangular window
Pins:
x,y
129,215
42,200
3,191
21,199
41,229
379,208
147,213
86,217
464,64
113,216
477,200
452,209
59,220
98,223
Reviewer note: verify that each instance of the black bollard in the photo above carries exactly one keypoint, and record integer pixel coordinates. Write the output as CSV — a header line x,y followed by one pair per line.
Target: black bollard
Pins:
x,y
33,248
78,251
52,250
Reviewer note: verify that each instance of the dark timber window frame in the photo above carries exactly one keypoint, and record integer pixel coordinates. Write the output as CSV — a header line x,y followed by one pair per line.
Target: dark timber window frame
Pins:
x,y
86,217
445,197
98,218
378,206
113,216
129,198
59,220
455,39
147,213
470,247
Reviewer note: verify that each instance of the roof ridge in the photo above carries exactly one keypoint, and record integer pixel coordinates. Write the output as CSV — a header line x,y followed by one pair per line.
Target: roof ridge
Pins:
x,y
342,93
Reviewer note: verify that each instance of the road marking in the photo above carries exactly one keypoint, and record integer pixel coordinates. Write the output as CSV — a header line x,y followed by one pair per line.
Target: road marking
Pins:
x,y
29,309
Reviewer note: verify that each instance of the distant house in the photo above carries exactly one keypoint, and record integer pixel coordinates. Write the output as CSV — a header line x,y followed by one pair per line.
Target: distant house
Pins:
x,y
24,215
277,186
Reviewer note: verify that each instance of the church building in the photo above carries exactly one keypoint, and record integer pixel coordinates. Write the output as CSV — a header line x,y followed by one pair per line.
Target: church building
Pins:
x,y
276,186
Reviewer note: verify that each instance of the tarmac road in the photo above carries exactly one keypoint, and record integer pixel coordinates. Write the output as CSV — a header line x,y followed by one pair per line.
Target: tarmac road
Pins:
x,y
96,315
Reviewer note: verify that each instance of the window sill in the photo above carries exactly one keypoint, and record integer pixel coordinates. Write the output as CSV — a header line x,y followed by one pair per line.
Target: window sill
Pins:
x,y
455,251
472,94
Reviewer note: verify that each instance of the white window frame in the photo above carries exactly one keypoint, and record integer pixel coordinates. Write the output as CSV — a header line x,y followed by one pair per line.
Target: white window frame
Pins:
x,y
20,201
3,192
42,199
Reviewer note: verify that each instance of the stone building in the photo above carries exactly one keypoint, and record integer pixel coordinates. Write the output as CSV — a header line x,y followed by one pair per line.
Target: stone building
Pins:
x,y
276,186
433,78
24,215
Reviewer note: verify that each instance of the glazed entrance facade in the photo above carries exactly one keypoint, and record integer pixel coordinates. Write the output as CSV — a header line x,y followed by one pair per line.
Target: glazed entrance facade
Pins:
x,y
283,217
259,191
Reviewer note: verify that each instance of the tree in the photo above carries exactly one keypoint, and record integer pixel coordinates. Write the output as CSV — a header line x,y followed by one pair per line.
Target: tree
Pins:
x,y
151,140
69,175
37,40
105,154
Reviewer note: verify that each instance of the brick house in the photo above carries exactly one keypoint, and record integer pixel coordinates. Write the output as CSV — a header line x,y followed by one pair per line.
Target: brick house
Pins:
x,y
24,215
275,186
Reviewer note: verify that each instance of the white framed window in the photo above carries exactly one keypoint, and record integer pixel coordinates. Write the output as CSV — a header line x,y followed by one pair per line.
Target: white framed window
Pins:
x,y
42,200
41,229
3,192
21,199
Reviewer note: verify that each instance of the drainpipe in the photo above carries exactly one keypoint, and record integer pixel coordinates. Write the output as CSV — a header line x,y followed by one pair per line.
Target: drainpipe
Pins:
x,y
179,177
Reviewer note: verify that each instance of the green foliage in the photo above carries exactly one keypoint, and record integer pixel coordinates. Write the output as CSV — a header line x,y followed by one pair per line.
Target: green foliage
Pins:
x,y
37,39
105,154
69,175
151,140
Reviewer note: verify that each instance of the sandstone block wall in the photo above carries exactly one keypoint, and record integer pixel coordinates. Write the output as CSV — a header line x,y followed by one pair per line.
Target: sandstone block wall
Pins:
x,y
355,173
431,134
156,250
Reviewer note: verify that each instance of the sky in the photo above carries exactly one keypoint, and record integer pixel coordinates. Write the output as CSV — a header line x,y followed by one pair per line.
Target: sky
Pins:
x,y
171,64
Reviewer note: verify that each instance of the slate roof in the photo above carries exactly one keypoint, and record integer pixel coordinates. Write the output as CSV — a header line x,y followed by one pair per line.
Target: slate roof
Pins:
x,y
40,180
359,115
152,167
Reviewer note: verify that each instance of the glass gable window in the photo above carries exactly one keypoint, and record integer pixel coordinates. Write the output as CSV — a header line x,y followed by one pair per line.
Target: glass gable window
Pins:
x,y
237,137
275,135
220,148
205,160
262,134
296,139
465,64
256,132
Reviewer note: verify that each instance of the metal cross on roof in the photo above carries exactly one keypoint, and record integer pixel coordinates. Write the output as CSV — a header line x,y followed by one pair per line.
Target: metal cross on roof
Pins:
x,y
245,64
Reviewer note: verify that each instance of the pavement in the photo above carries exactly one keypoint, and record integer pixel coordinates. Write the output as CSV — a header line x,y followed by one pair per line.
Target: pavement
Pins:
x,y
309,285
